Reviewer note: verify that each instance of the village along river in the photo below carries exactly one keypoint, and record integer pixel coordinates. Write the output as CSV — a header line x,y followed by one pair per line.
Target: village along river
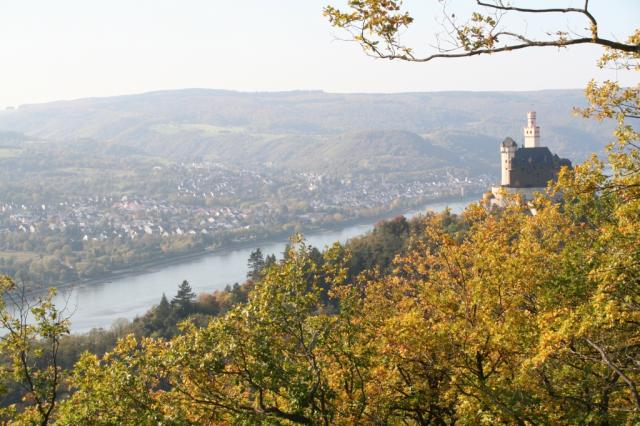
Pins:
x,y
96,305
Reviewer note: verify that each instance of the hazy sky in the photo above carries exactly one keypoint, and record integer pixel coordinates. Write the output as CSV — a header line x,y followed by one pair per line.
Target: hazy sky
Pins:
x,y
67,49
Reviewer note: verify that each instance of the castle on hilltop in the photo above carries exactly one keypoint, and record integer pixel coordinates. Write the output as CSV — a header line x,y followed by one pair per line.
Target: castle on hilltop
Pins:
x,y
525,170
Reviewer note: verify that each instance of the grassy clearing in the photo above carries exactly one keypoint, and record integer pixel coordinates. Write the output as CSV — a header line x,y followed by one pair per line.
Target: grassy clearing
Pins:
x,y
172,129
10,152
80,170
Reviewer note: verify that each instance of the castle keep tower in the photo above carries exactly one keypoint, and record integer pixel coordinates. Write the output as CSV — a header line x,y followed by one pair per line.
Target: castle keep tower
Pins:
x,y
507,152
531,132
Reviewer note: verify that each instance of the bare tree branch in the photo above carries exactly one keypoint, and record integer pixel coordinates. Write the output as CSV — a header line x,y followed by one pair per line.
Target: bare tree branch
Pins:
x,y
607,361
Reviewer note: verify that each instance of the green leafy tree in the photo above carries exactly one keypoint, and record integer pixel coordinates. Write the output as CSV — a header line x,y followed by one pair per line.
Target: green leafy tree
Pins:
x,y
29,354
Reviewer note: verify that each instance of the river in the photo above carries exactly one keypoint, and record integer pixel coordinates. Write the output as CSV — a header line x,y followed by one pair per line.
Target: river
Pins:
x,y
100,304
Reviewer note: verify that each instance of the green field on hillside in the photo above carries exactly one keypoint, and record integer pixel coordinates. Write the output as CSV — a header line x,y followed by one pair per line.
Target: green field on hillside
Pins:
x,y
10,152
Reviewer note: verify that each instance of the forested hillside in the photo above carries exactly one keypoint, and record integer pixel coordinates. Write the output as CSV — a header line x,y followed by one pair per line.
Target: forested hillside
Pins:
x,y
311,130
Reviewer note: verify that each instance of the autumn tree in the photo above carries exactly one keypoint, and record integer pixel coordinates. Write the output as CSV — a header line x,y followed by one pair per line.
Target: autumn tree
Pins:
x,y
29,354
278,359
507,318
576,358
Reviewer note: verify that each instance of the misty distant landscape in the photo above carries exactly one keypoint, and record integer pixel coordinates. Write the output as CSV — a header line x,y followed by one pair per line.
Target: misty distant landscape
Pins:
x,y
312,130
93,186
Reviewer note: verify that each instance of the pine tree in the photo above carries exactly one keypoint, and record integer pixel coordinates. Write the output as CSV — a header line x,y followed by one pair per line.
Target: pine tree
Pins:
x,y
255,264
161,315
270,260
183,300
164,308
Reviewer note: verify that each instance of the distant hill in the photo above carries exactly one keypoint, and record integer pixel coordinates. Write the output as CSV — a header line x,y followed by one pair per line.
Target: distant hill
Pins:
x,y
12,139
314,130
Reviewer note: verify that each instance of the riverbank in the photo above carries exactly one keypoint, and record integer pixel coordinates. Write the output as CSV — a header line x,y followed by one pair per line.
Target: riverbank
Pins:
x,y
99,305
176,259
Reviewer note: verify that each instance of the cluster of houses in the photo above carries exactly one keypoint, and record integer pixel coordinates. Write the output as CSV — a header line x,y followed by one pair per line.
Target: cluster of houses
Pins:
x,y
209,198
213,180
127,217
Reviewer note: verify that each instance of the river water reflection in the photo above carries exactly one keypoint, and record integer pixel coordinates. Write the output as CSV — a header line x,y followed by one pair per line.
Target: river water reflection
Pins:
x,y
99,305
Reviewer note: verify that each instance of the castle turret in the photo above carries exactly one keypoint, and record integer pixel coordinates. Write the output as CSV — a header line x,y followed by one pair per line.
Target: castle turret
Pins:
x,y
507,152
531,132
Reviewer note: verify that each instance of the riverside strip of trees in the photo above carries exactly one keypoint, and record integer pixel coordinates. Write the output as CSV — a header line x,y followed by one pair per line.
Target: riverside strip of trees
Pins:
x,y
495,317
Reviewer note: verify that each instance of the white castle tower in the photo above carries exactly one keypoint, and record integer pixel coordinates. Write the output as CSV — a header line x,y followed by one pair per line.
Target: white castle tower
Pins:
x,y
507,152
531,132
